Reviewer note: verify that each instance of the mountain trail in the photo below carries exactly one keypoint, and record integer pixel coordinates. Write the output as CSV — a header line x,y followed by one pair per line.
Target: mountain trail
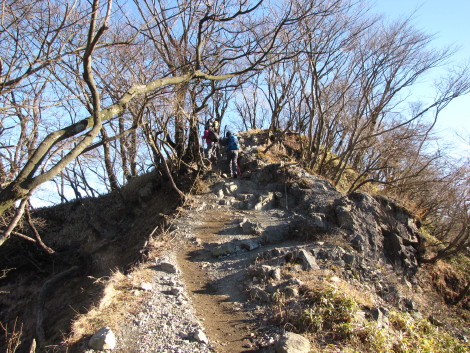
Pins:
x,y
203,306
216,299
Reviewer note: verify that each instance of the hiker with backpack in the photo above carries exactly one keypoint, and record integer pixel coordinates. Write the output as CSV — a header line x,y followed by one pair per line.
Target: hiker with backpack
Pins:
x,y
212,141
231,147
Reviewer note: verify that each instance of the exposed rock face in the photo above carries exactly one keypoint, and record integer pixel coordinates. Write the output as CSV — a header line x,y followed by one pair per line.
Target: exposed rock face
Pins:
x,y
379,229
376,227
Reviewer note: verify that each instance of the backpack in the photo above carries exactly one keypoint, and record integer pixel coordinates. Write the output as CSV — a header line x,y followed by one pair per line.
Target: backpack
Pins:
x,y
232,143
213,136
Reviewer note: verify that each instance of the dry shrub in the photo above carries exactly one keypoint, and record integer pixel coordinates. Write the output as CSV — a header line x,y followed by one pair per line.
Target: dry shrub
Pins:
x,y
447,281
200,187
118,299
320,309
12,337
324,305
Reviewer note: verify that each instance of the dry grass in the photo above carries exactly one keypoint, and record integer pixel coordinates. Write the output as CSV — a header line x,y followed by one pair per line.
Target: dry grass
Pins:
x,y
200,187
331,313
121,295
448,281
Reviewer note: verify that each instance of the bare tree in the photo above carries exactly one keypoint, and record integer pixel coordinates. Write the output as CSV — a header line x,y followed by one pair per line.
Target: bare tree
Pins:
x,y
250,105
230,40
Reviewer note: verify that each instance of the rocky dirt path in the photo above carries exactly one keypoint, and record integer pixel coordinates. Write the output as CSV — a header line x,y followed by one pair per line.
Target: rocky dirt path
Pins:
x,y
217,302
198,301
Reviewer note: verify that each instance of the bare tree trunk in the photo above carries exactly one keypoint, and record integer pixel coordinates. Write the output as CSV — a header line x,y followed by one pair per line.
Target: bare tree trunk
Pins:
x,y
124,146
113,183
157,151
193,149
180,118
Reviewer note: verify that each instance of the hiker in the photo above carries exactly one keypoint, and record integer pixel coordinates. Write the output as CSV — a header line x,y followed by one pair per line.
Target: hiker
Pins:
x,y
212,141
231,147
213,124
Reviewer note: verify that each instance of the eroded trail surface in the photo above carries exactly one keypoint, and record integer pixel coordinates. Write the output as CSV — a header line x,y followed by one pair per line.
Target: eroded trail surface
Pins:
x,y
216,257
206,291
218,302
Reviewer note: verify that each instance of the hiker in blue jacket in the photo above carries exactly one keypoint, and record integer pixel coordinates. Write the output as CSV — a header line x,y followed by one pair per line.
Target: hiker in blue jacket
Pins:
x,y
231,147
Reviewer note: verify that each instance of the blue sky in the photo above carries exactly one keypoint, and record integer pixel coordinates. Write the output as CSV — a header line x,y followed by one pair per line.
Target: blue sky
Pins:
x,y
449,22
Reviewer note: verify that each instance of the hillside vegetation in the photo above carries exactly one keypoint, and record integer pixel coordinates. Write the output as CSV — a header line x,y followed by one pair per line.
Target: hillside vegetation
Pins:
x,y
371,293
102,108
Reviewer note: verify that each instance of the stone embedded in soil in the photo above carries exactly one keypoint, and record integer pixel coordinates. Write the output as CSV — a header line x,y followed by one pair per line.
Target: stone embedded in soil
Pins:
x,y
291,292
308,260
291,342
249,244
200,336
224,249
146,286
168,267
103,339
249,227
257,293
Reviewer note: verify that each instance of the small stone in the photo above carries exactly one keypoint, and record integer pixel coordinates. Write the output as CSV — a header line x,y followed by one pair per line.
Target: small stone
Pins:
x,y
230,188
259,294
146,286
349,259
292,292
381,316
200,336
224,249
291,342
176,290
308,260
168,267
249,227
276,274
318,221
103,339
249,244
